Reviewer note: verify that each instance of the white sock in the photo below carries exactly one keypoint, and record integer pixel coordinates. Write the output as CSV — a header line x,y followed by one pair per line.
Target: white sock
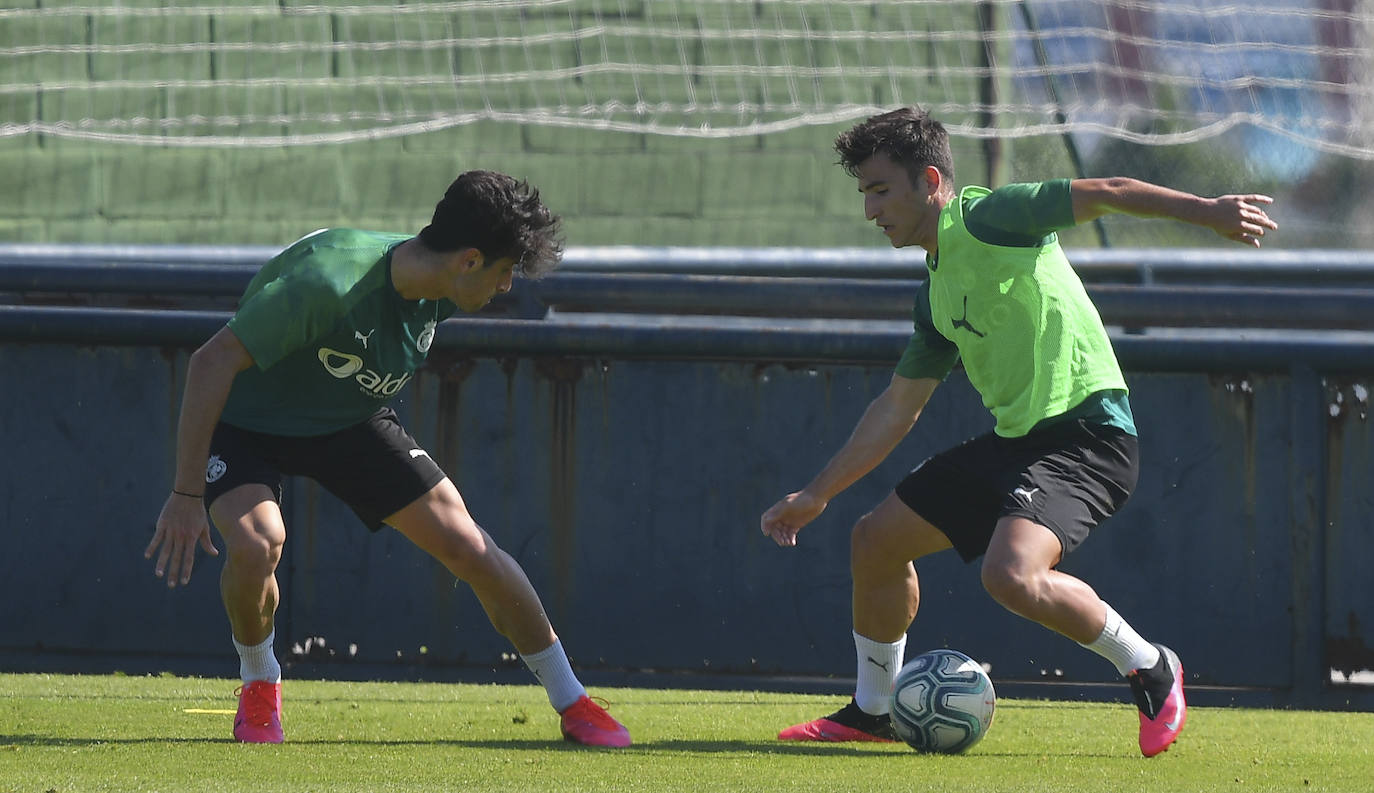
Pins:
x,y
1120,644
879,663
258,662
551,668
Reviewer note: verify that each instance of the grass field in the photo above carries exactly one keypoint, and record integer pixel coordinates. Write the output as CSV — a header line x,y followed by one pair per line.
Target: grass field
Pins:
x,y
73,734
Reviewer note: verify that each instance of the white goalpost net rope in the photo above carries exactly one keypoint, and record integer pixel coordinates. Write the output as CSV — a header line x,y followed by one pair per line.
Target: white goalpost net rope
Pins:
x,y
258,73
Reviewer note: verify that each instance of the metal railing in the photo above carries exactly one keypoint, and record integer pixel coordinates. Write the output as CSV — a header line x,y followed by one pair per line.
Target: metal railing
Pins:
x,y
1314,308
1232,264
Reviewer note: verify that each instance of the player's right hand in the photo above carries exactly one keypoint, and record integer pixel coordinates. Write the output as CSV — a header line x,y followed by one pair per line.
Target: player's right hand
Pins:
x,y
180,525
784,519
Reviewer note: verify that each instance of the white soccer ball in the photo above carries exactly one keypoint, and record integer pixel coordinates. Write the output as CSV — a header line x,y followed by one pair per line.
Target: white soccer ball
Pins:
x,y
942,701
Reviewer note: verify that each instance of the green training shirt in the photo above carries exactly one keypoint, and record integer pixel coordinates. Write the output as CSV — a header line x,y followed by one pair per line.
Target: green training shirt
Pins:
x,y
1002,297
331,338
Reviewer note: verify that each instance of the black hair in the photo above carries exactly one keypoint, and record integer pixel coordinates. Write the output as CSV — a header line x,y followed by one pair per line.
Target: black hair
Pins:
x,y
908,135
500,216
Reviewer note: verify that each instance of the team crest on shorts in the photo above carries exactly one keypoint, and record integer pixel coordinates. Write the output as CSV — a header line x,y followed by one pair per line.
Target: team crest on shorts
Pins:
x,y
215,468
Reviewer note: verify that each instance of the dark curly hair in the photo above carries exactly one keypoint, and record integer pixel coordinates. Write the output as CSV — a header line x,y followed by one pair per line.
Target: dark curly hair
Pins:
x,y
908,135
500,216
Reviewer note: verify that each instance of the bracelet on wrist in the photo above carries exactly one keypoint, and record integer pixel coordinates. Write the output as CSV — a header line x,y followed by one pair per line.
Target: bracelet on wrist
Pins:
x,y
188,495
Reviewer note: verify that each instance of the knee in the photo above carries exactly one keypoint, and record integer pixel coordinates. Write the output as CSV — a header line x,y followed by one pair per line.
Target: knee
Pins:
x,y
469,554
1011,585
250,523
257,551
868,549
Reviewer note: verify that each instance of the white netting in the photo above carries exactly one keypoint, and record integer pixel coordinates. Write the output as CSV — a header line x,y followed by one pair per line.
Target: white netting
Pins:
x,y
255,73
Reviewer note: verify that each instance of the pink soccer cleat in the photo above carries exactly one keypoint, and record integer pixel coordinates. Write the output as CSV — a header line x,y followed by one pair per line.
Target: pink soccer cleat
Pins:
x,y
259,716
847,724
1159,696
589,724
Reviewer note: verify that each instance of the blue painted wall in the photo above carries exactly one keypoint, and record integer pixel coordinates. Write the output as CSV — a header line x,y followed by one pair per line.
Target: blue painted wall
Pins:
x,y
630,490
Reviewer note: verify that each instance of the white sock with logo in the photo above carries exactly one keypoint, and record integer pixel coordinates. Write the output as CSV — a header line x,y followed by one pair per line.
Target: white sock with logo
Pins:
x,y
879,663
1120,644
552,669
258,662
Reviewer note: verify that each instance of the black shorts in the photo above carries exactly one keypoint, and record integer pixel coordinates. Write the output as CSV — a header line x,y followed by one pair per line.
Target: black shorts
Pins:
x,y
375,467
1068,477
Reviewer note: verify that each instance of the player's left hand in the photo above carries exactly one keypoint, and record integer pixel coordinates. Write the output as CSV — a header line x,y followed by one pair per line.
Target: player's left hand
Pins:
x,y
1240,218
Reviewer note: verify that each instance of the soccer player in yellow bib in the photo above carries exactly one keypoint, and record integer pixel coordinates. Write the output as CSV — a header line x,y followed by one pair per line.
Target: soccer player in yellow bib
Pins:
x,y
1001,297
297,383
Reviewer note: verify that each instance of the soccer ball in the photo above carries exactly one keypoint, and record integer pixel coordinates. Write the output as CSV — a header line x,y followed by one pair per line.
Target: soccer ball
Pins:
x,y
942,701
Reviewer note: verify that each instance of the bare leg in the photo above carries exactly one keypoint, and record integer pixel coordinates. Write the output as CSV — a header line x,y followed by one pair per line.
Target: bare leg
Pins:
x,y
250,522
438,522
886,590
1018,571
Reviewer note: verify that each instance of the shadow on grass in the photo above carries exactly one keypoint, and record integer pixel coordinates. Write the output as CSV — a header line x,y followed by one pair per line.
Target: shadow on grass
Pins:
x,y
760,747
7,741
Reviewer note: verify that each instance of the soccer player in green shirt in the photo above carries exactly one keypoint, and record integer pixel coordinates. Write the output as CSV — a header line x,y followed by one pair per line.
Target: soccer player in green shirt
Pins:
x,y
1000,296
297,383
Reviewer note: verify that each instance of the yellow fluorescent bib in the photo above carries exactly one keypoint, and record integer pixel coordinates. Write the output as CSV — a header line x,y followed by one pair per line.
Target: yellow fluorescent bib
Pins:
x,y
1031,341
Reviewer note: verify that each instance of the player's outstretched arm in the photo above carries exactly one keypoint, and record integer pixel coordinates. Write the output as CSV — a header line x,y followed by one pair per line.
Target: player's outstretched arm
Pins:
x,y
883,425
1236,217
182,524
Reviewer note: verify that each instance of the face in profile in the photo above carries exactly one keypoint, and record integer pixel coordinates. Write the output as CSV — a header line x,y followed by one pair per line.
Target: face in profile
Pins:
x,y
479,281
900,208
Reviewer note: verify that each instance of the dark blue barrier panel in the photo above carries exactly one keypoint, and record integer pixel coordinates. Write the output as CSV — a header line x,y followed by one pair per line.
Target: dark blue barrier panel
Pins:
x,y
630,489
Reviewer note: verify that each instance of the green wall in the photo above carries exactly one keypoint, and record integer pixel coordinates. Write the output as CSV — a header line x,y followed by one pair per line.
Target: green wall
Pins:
x,y
612,188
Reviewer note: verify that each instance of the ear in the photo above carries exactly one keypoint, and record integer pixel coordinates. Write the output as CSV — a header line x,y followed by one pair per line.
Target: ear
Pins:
x,y
934,179
469,259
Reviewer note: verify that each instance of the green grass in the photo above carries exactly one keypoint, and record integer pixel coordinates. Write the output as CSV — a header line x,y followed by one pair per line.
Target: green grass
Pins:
x,y
113,733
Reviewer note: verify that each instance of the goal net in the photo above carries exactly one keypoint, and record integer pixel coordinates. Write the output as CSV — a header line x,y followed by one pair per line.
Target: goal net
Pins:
x,y
199,73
